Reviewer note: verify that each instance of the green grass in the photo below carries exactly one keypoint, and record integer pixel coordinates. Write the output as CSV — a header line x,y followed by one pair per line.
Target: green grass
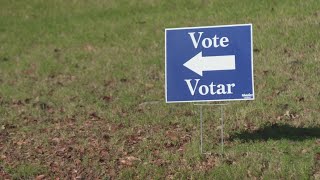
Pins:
x,y
26,171
82,90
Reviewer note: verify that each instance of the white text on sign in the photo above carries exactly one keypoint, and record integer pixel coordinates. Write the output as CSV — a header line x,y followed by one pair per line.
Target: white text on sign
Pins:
x,y
198,64
208,42
211,88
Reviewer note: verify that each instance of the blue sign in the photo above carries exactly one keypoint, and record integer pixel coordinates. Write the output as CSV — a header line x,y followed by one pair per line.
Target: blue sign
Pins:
x,y
209,63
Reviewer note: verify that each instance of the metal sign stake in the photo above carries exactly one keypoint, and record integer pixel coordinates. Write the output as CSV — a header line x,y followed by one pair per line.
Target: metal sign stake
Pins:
x,y
201,145
221,121
222,126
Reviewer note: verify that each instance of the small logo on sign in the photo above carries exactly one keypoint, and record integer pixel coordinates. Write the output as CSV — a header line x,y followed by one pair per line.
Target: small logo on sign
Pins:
x,y
247,96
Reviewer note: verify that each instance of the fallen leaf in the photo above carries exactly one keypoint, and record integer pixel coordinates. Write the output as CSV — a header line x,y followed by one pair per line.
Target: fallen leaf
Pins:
x,y
287,113
94,116
40,177
3,157
172,135
181,149
107,98
159,162
89,48
56,140
129,160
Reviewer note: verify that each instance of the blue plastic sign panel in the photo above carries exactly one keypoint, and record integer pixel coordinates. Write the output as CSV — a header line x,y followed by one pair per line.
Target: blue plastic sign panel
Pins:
x,y
211,63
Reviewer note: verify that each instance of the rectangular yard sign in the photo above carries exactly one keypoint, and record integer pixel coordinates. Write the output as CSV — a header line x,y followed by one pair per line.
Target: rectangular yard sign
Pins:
x,y
211,63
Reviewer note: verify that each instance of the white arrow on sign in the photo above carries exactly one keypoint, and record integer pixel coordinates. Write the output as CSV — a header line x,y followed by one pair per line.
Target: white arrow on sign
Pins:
x,y
198,63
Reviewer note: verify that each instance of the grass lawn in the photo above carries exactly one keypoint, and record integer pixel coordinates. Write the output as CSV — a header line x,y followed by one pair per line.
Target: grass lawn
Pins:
x,y
82,92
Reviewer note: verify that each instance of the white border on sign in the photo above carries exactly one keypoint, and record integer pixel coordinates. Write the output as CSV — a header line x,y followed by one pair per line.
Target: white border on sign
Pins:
x,y
253,94
203,27
218,26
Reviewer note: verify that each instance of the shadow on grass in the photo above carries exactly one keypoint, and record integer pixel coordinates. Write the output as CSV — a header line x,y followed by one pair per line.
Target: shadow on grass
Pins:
x,y
277,132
